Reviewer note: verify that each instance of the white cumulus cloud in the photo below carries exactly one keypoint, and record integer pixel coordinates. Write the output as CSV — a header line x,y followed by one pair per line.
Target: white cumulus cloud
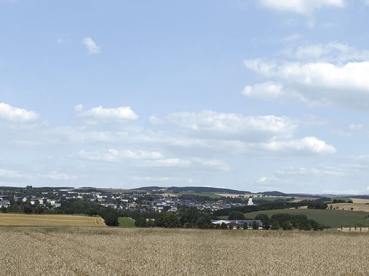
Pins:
x,y
91,45
355,126
11,174
170,162
305,7
332,52
321,83
100,114
162,179
266,90
210,124
54,175
209,133
109,155
215,164
140,154
195,163
113,155
11,113
307,144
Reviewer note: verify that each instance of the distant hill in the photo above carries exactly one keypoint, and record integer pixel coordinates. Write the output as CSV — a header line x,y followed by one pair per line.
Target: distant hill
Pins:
x,y
273,193
148,188
208,190
277,193
194,189
304,195
361,197
33,188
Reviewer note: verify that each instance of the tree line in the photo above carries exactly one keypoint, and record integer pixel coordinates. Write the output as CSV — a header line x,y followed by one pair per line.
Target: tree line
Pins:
x,y
316,204
189,217
289,222
277,221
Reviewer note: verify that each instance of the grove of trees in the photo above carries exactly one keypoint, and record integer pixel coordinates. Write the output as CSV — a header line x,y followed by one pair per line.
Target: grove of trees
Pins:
x,y
288,222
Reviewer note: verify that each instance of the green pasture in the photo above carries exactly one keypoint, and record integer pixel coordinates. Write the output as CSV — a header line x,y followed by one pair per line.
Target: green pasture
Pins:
x,y
331,218
126,222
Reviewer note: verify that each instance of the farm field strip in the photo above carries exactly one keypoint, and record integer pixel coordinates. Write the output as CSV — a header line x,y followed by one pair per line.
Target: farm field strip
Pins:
x,y
49,220
126,222
352,229
360,200
331,218
347,206
118,251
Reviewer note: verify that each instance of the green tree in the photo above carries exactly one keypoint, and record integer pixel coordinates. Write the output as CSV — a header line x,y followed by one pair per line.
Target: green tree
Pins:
x,y
159,221
245,226
91,212
204,222
264,219
308,226
27,210
287,225
317,226
140,222
255,225
4,209
14,208
190,217
150,223
39,210
236,215
275,225
170,220
110,217
223,226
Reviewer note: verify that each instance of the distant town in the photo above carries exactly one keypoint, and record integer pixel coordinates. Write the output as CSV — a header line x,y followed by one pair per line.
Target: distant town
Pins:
x,y
158,200
189,207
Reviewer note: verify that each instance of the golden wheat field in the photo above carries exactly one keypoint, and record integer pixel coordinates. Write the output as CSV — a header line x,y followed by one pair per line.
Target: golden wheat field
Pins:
x,y
49,220
347,206
117,251
360,200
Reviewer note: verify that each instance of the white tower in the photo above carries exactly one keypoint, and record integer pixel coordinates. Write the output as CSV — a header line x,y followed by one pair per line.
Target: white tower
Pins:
x,y
250,201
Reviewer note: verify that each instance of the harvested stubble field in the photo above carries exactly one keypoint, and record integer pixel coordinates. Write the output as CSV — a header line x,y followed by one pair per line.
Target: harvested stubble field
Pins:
x,y
49,220
363,207
119,251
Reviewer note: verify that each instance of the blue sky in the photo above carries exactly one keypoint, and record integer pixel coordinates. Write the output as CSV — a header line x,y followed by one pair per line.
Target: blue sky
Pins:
x,y
248,94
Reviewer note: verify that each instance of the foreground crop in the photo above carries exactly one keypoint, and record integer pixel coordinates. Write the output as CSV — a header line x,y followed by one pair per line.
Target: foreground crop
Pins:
x,y
114,251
